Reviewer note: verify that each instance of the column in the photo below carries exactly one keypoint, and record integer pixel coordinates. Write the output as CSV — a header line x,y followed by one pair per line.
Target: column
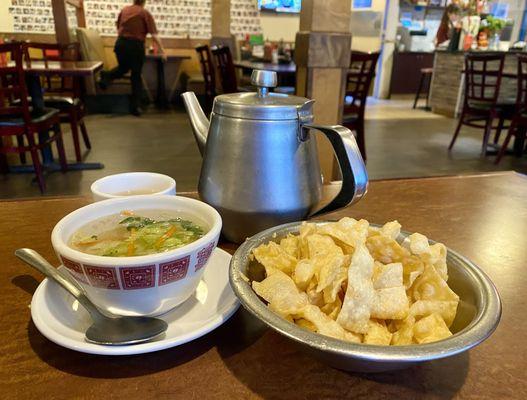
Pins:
x,y
221,25
60,18
322,55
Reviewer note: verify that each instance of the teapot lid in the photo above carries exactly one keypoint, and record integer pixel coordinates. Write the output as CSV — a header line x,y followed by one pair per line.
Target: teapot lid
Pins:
x,y
263,105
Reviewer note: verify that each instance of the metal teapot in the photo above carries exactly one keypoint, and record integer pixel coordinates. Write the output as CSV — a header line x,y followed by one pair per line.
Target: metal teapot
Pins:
x,y
260,163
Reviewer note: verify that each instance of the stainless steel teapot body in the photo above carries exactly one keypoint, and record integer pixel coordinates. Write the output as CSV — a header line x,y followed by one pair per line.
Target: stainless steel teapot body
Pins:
x,y
263,172
258,175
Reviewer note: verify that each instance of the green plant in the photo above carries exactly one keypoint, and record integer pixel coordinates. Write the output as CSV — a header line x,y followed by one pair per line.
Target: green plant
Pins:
x,y
492,24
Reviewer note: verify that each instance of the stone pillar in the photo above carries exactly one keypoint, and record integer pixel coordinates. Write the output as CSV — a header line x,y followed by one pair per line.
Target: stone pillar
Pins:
x,y
221,25
322,55
60,18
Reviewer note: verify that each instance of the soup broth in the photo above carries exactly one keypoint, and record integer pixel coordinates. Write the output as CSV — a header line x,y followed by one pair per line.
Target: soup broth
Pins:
x,y
136,192
130,233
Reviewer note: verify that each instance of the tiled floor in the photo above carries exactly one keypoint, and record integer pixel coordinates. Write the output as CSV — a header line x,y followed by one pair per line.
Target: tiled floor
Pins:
x,y
401,142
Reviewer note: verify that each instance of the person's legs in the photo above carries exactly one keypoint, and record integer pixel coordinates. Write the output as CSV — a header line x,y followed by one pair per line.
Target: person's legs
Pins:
x,y
136,67
122,51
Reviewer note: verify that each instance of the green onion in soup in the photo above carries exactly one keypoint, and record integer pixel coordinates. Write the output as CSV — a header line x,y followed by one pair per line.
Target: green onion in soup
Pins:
x,y
127,235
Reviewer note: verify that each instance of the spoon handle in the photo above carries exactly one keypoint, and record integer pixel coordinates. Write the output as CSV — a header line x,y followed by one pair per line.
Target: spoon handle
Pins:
x,y
34,259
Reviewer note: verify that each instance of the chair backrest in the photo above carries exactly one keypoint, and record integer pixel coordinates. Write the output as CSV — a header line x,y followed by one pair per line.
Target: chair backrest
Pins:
x,y
54,52
207,69
13,90
226,70
360,76
521,97
91,46
483,77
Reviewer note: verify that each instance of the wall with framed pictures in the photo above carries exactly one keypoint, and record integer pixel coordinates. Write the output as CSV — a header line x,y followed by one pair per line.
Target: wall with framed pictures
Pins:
x,y
174,18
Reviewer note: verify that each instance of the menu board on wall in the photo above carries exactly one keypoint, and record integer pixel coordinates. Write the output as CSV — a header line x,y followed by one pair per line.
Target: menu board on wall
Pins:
x,y
174,18
35,16
245,18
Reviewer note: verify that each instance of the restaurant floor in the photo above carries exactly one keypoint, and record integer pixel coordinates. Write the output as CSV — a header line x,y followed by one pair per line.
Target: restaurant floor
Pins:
x,y
401,142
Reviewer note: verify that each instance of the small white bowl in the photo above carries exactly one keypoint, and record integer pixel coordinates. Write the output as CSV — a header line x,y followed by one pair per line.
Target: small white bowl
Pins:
x,y
132,184
140,285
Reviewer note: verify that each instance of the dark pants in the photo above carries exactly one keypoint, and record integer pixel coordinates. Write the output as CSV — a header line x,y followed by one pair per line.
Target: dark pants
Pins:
x,y
131,57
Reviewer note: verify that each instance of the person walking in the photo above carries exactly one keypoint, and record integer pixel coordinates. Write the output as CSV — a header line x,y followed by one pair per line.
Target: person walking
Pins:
x,y
133,24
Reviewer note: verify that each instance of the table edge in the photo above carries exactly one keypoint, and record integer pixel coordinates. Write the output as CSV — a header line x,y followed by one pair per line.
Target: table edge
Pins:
x,y
194,193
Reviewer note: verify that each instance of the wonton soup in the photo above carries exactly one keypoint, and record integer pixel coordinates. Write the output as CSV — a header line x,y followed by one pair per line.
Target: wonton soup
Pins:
x,y
130,233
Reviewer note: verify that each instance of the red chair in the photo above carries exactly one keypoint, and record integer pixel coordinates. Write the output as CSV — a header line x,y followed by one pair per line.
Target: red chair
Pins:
x,y
19,120
63,94
360,76
483,73
518,125
209,76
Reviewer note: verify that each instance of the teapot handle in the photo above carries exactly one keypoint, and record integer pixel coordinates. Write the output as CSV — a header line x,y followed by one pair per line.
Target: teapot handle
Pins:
x,y
354,174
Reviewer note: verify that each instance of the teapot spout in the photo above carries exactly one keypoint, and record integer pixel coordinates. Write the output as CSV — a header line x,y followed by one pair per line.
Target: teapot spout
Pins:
x,y
198,120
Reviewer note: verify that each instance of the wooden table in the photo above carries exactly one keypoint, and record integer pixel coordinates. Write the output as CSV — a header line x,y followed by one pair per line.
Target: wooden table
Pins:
x,y
164,75
483,217
287,69
62,69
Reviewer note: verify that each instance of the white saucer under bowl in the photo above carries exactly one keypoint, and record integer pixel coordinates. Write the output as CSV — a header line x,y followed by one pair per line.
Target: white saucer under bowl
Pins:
x,y
60,318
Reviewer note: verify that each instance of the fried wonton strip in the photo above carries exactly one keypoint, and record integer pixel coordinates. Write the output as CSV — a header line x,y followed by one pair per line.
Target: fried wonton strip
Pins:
x,y
273,257
413,267
332,309
405,332
360,295
281,293
305,231
348,231
446,309
387,276
290,244
332,273
377,333
386,250
304,272
326,326
431,329
391,230
390,303
434,255
430,286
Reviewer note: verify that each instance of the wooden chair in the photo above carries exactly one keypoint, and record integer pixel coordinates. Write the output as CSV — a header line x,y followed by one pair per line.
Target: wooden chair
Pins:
x,y
360,76
483,73
226,70
18,119
63,94
518,125
209,75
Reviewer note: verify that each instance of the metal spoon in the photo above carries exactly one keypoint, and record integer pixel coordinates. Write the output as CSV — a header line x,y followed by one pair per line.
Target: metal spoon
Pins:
x,y
104,330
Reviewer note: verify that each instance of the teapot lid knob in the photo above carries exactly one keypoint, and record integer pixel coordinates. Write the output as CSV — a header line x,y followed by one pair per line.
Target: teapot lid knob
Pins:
x,y
263,80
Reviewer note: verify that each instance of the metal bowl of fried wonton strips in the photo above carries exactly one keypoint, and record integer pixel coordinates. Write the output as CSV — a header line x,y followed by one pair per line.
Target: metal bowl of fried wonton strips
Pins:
x,y
478,313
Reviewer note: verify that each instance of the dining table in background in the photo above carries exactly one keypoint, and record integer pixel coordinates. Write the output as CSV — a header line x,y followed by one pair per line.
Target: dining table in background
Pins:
x,y
167,74
483,217
34,71
285,72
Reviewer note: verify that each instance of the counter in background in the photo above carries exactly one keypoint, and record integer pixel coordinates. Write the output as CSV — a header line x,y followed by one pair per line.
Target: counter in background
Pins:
x,y
446,91
406,70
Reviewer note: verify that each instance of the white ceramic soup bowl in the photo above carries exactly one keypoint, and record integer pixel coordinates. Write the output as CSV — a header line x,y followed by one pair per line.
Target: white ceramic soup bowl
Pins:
x,y
140,285
132,183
